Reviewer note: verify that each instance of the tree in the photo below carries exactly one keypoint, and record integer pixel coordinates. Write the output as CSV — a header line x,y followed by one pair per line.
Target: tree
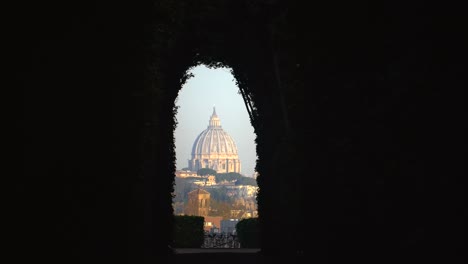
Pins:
x,y
220,208
246,181
206,171
182,187
248,233
230,176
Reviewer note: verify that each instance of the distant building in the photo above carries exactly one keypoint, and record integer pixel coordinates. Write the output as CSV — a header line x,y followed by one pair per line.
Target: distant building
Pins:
x,y
186,173
206,181
215,149
213,224
229,225
198,203
236,213
210,180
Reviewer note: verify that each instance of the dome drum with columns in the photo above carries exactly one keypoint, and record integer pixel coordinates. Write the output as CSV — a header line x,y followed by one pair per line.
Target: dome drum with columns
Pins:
x,y
215,149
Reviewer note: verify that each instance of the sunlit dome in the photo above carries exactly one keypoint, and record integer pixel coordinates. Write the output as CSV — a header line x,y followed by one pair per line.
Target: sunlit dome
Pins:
x,y
214,140
214,148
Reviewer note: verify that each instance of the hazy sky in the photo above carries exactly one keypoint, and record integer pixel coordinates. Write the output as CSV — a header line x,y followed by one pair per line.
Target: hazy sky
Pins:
x,y
208,88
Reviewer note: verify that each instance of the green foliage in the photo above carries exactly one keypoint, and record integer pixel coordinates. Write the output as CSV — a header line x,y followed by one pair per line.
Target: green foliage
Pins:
x,y
182,187
188,231
230,176
220,208
246,181
248,233
192,179
219,194
234,176
206,171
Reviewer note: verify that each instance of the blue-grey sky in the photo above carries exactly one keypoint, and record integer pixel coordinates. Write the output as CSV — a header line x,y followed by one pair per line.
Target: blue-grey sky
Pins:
x,y
208,88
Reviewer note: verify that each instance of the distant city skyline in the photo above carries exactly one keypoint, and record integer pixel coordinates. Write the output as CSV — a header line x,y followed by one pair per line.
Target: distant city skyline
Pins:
x,y
207,89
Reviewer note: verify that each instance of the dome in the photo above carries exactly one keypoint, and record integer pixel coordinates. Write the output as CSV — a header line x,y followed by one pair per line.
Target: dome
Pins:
x,y
214,149
214,140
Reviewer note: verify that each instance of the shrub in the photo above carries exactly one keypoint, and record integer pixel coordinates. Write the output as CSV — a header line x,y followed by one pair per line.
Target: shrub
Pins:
x,y
248,233
188,231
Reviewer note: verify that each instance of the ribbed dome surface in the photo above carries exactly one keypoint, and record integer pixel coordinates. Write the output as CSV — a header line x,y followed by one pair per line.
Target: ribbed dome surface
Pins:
x,y
214,149
214,140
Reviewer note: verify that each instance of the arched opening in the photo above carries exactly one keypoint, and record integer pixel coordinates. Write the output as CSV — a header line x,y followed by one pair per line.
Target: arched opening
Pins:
x,y
215,151
252,58
368,93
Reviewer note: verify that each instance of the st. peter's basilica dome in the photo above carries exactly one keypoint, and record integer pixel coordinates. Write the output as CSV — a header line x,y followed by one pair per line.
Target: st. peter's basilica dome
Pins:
x,y
215,149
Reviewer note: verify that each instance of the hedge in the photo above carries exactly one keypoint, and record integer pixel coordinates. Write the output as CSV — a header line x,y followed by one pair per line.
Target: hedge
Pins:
x,y
188,231
248,233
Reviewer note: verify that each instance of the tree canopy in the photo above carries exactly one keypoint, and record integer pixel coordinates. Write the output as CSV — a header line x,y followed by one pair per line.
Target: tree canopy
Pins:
x,y
206,171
